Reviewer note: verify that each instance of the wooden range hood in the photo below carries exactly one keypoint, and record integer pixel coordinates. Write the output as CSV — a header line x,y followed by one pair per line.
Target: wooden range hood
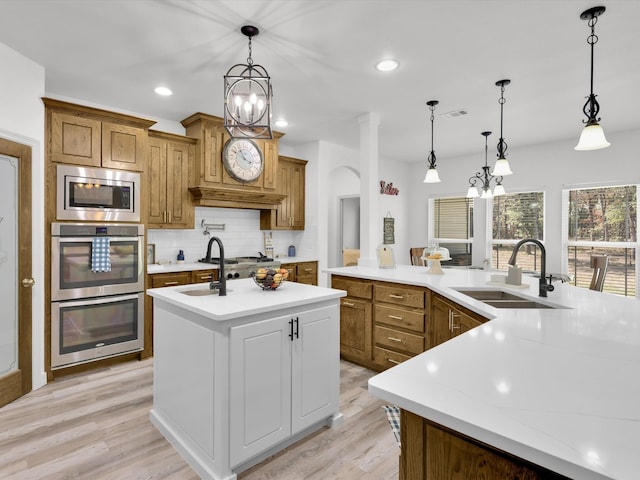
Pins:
x,y
210,183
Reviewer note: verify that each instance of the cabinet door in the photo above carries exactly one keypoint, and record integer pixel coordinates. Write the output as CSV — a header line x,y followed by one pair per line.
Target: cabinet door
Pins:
x,y
180,211
157,182
123,147
75,140
260,387
461,322
440,322
355,329
170,279
315,367
270,172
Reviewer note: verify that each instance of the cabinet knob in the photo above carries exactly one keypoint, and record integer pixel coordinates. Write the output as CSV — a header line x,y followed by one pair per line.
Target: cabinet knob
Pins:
x,y
28,282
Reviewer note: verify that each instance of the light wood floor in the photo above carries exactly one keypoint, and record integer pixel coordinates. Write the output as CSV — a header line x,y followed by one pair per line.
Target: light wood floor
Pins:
x,y
96,426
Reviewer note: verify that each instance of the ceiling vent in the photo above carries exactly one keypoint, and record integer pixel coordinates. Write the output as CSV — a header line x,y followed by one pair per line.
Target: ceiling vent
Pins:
x,y
455,113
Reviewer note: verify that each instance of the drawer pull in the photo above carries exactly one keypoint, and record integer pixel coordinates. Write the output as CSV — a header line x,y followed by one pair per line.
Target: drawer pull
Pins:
x,y
395,317
170,283
391,360
205,277
348,304
394,339
308,269
393,295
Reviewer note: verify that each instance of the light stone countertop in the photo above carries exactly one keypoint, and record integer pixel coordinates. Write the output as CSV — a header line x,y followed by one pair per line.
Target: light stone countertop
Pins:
x,y
557,387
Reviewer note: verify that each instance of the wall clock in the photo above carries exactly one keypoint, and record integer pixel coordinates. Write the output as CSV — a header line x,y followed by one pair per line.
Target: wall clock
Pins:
x,y
242,159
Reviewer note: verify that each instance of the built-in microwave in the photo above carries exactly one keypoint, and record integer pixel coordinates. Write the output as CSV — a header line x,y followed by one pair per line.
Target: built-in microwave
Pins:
x,y
97,194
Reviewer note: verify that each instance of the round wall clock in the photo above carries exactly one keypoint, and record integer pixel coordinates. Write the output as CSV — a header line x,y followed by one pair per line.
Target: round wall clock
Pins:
x,y
243,159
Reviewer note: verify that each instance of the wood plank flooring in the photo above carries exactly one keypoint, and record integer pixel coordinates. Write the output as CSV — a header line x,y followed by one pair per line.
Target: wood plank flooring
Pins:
x,y
96,425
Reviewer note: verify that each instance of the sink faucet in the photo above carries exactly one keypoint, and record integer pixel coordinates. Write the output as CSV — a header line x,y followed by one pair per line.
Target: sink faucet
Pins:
x,y
544,287
221,284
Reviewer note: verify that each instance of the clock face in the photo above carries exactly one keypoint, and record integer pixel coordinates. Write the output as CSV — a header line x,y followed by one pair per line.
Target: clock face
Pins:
x,y
243,160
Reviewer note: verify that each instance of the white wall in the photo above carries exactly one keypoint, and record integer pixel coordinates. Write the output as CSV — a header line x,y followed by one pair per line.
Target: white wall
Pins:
x,y
549,167
22,121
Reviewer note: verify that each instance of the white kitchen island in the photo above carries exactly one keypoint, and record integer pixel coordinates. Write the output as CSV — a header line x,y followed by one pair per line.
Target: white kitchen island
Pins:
x,y
557,388
239,377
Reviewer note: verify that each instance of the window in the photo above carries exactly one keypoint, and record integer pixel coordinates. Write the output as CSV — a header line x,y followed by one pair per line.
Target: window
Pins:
x,y
516,216
604,221
453,227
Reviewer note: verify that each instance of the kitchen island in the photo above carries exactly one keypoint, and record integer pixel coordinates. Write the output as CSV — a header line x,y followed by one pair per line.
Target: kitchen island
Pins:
x,y
239,377
544,390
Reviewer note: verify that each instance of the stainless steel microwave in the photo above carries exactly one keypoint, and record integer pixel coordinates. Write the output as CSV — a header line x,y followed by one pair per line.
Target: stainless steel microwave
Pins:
x,y
97,194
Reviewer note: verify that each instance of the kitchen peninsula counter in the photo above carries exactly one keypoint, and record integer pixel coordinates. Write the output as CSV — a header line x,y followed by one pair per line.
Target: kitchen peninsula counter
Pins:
x,y
558,388
239,377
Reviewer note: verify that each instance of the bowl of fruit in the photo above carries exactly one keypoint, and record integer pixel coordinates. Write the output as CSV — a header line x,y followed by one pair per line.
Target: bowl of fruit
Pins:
x,y
269,278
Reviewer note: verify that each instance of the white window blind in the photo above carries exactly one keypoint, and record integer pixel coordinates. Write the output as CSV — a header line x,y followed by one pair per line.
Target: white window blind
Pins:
x,y
453,227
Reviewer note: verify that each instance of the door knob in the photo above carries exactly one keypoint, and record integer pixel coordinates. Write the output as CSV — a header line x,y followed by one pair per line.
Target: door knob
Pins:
x,y
28,282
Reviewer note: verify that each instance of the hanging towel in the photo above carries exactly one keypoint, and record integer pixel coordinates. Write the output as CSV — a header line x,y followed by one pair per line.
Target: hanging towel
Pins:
x,y
100,259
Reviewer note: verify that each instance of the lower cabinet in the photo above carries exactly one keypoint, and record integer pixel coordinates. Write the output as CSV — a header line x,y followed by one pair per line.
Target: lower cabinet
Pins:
x,y
282,379
449,320
302,272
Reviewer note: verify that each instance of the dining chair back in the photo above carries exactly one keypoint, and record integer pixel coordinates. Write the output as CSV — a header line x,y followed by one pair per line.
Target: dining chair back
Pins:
x,y
599,263
415,254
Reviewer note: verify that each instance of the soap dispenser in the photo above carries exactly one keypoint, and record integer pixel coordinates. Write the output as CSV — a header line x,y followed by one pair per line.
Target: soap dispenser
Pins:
x,y
292,251
181,256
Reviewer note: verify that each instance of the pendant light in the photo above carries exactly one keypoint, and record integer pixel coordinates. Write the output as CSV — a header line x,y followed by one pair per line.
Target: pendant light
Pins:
x,y
485,178
247,97
592,136
432,174
501,168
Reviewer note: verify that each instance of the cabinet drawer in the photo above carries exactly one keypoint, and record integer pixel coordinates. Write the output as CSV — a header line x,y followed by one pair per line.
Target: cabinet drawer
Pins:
x,y
170,279
386,358
204,276
354,288
407,342
400,318
307,268
400,295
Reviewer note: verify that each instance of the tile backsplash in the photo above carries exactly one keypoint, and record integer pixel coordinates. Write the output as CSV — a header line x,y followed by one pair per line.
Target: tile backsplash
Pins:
x,y
241,237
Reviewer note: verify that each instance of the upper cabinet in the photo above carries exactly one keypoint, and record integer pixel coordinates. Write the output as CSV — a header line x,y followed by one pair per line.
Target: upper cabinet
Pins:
x,y
92,137
212,185
289,214
170,163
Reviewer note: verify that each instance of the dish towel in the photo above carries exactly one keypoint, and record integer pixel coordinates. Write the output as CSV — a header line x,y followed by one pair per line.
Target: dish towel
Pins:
x,y
393,416
100,258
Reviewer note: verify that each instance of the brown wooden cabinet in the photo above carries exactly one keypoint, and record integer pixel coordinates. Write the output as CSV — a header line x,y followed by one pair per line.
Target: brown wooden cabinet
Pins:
x,y
355,319
80,135
449,319
302,272
289,215
170,162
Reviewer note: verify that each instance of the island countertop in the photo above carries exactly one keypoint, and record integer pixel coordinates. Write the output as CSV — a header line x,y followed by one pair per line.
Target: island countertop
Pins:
x,y
244,298
557,387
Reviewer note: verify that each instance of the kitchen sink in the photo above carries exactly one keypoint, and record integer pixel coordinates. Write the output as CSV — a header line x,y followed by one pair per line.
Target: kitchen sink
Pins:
x,y
502,299
202,292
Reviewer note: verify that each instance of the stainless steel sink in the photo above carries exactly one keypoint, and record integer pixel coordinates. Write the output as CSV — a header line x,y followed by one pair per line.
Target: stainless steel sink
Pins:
x,y
502,299
202,292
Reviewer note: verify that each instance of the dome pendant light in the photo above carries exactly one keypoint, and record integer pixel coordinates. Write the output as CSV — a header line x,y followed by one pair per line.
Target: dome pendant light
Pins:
x,y
432,174
501,168
592,136
485,178
247,97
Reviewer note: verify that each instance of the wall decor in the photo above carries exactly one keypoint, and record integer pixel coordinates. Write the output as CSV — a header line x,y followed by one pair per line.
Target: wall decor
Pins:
x,y
388,232
388,188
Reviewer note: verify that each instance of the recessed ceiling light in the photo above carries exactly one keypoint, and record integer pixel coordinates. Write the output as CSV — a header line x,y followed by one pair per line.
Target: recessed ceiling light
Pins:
x,y
387,65
164,91
281,123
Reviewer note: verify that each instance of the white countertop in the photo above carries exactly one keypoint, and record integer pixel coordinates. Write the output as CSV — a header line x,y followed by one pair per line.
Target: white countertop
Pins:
x,y
244,298
557,387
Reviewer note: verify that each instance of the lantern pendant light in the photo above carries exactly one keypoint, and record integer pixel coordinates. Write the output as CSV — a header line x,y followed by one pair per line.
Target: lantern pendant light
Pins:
x,y
247,97
592,136
501,168
432,174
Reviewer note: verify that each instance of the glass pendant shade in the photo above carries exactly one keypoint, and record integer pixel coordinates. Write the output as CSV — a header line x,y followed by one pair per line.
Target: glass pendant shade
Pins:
x,y
432,176
486,193
501,168
499,190
592,138
472,192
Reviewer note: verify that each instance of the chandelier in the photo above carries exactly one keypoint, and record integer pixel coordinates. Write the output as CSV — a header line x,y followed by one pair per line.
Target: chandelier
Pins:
x,y
485,178
592,136
247,97
501,167
432,174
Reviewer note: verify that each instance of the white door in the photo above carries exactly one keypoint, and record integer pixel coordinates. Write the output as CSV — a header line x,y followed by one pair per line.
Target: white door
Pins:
x,y
315,367
15,271
260,387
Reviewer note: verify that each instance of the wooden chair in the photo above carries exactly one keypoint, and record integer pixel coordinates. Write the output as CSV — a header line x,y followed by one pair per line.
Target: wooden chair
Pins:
x,y
599,263
415,254
350,257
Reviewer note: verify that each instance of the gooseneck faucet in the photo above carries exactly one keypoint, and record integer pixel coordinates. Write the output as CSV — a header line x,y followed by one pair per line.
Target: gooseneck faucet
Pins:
x,y
544,287
221,284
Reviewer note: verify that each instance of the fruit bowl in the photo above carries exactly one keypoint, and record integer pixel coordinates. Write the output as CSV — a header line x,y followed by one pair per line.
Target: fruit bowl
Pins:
x,y
269,278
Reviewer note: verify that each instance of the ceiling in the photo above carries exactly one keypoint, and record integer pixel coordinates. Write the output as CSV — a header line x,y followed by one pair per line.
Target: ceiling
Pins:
x,y
320,55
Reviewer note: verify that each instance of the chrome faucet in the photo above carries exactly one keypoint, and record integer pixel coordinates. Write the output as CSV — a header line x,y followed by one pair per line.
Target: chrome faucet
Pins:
x,y
221,284
544,287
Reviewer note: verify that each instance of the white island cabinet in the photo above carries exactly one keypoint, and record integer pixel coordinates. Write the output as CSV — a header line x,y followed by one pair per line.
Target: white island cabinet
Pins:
x,y
238,378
